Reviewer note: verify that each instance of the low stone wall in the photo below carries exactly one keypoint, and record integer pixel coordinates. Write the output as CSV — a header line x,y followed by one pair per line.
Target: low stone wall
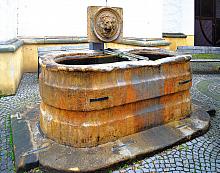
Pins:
x,y
204,63
198,49
11,71
202,66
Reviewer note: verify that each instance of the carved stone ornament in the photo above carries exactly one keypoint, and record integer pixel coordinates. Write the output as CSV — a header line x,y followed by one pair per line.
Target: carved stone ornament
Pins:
x,y
107,24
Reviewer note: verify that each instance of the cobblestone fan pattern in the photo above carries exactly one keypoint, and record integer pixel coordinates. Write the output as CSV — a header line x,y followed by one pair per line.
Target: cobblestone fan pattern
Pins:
x,y
198,155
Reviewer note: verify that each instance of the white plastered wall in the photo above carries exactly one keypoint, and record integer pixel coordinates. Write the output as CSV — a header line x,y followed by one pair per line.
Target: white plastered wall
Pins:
x,y
178,16
8,20
188,17
142,18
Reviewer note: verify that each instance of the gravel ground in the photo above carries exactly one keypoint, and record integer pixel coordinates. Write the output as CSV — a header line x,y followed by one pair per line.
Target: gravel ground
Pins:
x,y
198,155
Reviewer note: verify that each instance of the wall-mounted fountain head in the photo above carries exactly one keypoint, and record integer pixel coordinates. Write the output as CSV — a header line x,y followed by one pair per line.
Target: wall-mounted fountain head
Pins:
x,y
105,24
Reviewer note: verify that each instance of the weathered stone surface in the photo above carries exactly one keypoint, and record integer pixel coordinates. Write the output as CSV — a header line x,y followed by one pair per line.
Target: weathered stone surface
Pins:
x,y
90,98
174,35
198,49
65,158
23,139
11,46
104,24
59,157
205,66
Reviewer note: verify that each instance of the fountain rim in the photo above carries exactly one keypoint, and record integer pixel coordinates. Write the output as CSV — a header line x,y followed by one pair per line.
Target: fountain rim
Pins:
x,y
48,61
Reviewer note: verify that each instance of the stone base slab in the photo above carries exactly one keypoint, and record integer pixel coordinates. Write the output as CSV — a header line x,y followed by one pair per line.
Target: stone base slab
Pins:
x,y
201,66
32,148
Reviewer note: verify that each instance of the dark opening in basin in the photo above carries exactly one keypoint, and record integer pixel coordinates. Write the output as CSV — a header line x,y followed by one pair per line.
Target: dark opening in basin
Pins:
x,y
86,60
153,57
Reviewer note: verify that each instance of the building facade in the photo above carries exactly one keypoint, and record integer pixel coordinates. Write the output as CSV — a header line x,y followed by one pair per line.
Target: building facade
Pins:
x,y
142,18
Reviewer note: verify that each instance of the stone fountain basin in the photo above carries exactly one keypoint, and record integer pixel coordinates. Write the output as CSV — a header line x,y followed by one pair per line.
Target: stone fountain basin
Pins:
x,y
97,137
90,98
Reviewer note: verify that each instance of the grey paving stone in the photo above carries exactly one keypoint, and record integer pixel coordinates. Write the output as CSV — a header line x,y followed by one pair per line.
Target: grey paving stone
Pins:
x,y
186,169
139,171
130,171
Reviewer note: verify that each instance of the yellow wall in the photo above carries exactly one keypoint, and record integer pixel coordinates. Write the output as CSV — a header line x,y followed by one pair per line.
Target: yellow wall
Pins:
x,y
175,42
11,70
190,40
30,55
123,46
117,46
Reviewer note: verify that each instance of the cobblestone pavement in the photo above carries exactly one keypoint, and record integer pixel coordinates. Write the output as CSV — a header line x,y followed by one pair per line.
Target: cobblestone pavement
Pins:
x,y
199,155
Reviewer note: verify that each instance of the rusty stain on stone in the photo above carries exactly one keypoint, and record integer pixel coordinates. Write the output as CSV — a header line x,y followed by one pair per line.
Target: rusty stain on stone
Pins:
x,y
85,105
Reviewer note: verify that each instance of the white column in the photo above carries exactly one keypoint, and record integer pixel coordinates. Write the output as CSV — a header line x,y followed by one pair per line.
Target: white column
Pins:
x,y
8,19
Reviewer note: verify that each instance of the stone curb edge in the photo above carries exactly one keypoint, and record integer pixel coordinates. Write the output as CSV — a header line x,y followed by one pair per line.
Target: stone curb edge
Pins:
x,y
198,49
27,149
12,46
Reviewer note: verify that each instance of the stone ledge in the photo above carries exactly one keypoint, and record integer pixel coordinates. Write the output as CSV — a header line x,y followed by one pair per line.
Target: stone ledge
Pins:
x,y
205,60
174,35
65,40
8,41
44,50
11,45
204,66
55,157
14,44
198,50
54,40
145,43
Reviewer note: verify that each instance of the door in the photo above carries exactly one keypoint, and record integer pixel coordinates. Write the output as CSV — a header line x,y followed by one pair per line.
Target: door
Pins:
x,y
207,22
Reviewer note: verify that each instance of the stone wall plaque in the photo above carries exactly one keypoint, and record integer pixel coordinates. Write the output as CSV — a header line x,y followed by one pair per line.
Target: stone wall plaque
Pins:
x,y
105,24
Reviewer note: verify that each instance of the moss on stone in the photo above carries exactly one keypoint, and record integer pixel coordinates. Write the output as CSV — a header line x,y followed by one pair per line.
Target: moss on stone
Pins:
x,y
11,138
206,56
